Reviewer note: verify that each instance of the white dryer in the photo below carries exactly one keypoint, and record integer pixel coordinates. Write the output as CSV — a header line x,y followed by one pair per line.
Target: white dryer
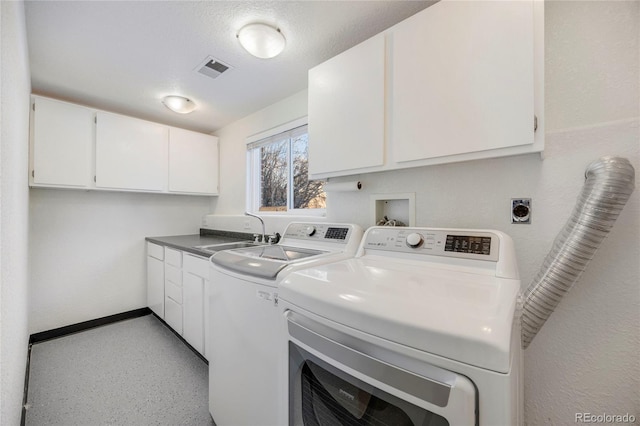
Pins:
x,y
420,328
245,383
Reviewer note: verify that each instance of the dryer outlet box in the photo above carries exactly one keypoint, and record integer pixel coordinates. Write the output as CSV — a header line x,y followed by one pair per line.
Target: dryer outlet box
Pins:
x,y
521,210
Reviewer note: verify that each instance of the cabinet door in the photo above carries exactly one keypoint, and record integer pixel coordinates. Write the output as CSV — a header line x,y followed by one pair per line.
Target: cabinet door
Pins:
x,y
207,319
131,153
62,142
193,307
155,285
193,162
463,79
173,314
346,110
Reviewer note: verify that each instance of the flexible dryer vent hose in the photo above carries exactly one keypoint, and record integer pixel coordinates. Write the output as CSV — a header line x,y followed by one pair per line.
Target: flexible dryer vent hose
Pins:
x,y
609,184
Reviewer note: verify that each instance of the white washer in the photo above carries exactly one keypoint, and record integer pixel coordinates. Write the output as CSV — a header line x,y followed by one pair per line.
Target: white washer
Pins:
x,y
420,328
245,383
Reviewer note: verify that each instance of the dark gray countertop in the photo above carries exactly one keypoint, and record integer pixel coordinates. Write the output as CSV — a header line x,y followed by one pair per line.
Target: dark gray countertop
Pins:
x,y
189,243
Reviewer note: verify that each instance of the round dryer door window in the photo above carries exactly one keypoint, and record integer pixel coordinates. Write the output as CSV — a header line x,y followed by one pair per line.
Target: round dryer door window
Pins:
x,y
322,395
329,400
339,380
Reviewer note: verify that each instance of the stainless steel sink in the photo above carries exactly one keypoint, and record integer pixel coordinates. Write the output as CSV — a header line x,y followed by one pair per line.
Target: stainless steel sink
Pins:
x,y
212,248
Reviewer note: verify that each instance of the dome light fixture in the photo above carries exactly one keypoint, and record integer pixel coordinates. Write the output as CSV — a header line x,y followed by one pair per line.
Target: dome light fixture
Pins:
x,y
179,104
261,40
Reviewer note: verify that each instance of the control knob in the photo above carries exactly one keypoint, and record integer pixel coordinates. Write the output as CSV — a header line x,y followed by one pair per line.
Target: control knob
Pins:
x,y
310,230
414,240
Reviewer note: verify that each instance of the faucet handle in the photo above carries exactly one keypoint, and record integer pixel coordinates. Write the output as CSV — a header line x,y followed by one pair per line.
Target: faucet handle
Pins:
x,y
273,239
256,238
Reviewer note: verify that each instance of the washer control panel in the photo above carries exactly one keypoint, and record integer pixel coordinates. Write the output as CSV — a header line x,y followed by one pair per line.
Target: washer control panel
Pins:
x,y
467,244
337,233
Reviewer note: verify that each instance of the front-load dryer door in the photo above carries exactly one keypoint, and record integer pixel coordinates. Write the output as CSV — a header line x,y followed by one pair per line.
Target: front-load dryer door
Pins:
x,y
332,384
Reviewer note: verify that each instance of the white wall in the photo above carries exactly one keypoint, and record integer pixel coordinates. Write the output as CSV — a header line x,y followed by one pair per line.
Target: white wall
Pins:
x,y
87,251
585,359
14,120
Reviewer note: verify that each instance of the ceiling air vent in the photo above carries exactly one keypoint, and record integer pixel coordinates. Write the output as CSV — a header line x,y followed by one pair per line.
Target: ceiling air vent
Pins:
x,y
212,67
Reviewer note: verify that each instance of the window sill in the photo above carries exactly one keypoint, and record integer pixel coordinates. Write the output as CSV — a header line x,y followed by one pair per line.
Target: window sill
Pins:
x,y
289,213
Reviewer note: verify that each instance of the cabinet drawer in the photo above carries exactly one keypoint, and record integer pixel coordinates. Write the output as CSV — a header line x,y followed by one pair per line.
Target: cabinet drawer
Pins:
x,y
173,274
173,257
173,315
173,292
155,250
196,265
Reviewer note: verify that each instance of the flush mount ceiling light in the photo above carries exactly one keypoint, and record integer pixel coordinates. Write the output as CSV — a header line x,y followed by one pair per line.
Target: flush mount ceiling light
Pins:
x,y
261,40
179,104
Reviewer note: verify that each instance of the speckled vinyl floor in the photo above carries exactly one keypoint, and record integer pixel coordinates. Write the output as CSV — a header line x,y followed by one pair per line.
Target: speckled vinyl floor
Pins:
x,y
134,372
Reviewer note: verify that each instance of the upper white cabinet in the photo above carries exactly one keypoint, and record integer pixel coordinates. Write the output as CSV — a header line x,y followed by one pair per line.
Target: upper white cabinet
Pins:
x,y
61,143
131,153
193,162
457,81
463,79
73,146
346,110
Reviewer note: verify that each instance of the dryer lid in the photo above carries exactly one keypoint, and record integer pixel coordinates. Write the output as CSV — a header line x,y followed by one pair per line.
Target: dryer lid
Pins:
x,y
455,314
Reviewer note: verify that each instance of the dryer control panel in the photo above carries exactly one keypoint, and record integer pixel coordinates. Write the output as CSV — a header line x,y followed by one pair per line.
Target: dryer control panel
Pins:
x,y
466,244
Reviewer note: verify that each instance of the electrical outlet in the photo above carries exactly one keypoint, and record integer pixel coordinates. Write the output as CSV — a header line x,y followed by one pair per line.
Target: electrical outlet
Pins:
x,y
521,210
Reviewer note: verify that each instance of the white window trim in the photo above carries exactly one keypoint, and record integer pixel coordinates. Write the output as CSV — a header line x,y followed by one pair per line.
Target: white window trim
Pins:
x,y
253,184
278,129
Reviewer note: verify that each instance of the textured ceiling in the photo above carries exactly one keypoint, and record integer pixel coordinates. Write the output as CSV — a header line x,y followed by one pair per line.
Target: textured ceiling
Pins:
x,y
124,56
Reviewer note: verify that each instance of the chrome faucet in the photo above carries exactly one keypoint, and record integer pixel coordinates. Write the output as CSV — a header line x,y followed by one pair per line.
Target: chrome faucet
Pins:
x,y
262,222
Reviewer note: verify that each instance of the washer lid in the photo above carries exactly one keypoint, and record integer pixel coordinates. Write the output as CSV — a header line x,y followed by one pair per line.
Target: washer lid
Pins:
x,y
459,315
262,261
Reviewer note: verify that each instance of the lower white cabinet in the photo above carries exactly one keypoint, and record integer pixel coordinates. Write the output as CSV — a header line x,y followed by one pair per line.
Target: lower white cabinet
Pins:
x,y
173,289
194,311
173,314
177,289
155,278
195,281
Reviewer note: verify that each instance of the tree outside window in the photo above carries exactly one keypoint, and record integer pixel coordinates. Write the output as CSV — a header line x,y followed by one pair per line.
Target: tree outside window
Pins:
x,y
282,167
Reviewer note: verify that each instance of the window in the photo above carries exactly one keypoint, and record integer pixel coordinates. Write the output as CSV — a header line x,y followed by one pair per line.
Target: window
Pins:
x,y
279,174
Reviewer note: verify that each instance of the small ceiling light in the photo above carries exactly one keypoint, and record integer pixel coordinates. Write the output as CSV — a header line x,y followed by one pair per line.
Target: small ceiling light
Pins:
x,y
179,104
261,40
